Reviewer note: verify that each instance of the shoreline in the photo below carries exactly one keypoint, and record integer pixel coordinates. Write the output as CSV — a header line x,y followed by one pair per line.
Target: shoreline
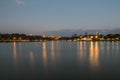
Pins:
x,y
6,41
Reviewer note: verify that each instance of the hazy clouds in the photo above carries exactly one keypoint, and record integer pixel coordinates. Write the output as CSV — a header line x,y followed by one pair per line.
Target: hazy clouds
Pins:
x,y
20,2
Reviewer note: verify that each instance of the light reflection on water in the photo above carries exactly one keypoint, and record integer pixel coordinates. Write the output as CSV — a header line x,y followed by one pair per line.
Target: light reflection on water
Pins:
x,y
15,52
15,56
58,58
84,43
80,52
52,51
32,62
94,56
44,54
82,46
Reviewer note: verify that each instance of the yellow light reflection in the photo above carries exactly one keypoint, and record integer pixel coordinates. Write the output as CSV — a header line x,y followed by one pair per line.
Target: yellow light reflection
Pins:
x,y
44,55
20,48
94,56
20,51
31,56
108,47
80,51
84,47
113,46
52,51
117,47
57,47
14,51
15,54
102,46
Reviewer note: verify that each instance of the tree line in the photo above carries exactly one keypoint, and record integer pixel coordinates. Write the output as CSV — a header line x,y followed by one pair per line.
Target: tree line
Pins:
x,y
24,37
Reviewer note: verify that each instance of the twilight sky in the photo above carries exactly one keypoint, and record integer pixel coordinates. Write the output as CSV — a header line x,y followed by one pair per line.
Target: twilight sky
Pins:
x,y
35,16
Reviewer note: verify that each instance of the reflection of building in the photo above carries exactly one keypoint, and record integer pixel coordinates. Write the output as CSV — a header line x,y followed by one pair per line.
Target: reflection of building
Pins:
x,y
94,55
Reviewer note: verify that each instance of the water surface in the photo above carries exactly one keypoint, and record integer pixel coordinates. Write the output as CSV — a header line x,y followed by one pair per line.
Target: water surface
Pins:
x,y
60,60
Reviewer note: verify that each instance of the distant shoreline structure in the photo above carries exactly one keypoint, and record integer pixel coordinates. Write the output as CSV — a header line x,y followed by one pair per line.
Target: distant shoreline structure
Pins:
x,y
16,37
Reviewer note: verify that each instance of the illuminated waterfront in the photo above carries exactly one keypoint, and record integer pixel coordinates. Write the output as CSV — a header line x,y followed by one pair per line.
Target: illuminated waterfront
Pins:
x,y
53,60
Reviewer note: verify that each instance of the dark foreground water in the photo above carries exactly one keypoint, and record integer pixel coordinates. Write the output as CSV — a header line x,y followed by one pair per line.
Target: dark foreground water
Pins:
x,y
60,61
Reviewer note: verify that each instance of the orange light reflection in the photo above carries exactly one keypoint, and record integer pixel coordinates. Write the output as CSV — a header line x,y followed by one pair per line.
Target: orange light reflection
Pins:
x,y
14,51
80,51
15,55
94,56
52,51
44,55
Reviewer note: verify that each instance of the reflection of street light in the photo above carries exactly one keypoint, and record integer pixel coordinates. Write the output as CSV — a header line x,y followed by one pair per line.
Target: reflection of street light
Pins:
x,y
15,55
52,50
44,55
94,55
14,51
81,51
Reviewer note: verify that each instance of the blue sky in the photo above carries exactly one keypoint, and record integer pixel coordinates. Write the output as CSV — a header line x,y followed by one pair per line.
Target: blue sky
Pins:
x,y
35,16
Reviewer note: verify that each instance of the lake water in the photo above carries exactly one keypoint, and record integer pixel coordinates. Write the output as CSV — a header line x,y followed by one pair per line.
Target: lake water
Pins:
x,y
60,60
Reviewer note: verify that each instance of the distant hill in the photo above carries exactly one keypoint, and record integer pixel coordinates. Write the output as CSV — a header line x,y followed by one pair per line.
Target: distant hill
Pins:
x,y
80,31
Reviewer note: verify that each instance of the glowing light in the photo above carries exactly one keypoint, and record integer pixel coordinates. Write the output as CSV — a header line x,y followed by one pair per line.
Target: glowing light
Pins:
x,y
15,55
52,50
44,55
80,51
94,56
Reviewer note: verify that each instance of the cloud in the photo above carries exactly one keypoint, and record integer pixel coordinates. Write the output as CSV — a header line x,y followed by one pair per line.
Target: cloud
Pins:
x,y
20,2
